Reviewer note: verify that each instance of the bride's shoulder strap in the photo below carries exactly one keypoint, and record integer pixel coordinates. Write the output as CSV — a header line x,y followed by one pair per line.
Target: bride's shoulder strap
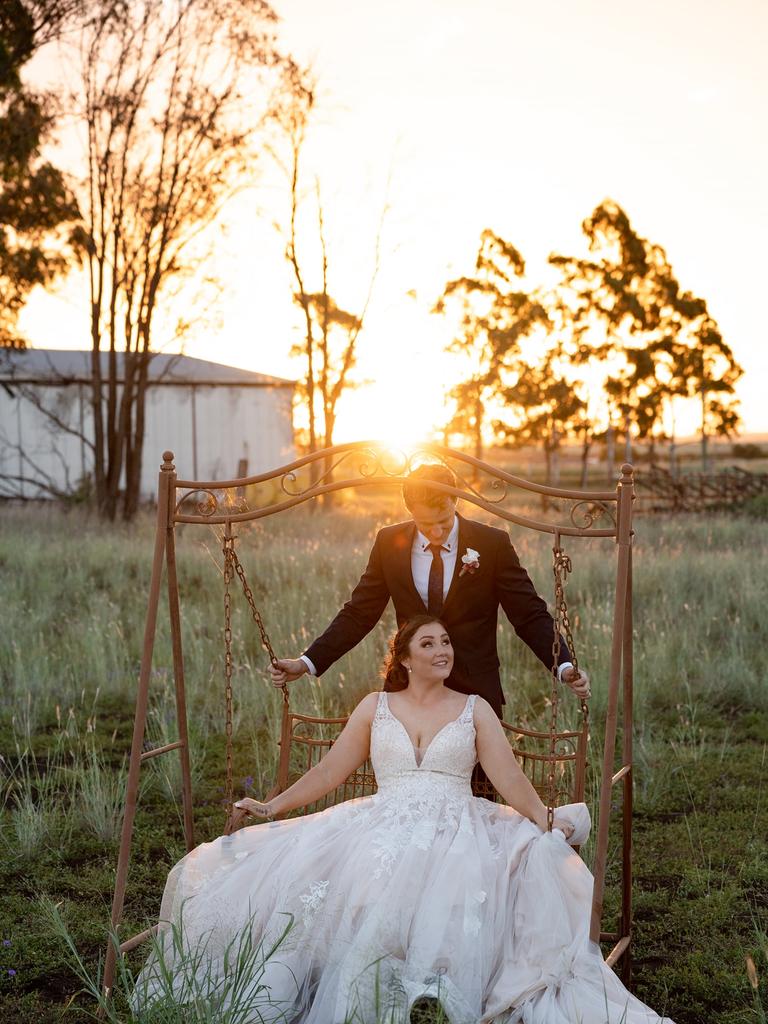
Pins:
x,y
382,707
469,708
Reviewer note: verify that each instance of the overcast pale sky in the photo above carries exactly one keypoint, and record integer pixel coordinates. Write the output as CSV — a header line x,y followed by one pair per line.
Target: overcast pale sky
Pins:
x,y
522,117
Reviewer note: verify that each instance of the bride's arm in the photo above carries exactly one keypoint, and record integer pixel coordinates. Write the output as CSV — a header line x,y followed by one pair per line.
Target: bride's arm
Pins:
x,y
500,765
348,752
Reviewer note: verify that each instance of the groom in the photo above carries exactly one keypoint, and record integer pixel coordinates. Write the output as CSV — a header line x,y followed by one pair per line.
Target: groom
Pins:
x,y
456,569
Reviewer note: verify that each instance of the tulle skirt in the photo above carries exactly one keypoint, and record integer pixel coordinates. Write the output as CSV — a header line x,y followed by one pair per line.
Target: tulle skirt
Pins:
x,y
354,913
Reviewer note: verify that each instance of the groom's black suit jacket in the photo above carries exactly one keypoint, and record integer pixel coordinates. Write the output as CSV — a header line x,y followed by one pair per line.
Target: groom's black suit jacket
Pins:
x,y
469,613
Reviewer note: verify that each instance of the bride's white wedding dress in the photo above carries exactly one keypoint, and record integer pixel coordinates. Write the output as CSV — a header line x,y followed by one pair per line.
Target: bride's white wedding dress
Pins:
x,y
419,890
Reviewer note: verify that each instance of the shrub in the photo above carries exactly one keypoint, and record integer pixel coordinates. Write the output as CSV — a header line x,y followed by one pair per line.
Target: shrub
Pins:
x,y
747,450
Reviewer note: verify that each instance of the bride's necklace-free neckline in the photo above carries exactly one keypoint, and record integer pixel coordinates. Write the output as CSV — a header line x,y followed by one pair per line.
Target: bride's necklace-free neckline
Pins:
x,y
424,750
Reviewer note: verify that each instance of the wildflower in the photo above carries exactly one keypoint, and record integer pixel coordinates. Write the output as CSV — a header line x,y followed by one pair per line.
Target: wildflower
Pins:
x,y
248,782
11,972
6,942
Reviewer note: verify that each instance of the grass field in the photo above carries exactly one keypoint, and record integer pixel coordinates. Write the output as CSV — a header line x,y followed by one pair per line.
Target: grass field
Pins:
x,y
73,597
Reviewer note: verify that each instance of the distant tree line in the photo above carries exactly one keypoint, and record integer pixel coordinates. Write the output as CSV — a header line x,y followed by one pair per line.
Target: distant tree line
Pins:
x,y
177,105
603,355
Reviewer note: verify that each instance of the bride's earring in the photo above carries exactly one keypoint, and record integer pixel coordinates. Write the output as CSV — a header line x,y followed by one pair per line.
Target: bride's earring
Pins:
x,y
407,668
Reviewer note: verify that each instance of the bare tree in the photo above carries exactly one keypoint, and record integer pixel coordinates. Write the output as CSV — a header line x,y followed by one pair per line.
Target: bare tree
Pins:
x,y
168,102
331,333
294,123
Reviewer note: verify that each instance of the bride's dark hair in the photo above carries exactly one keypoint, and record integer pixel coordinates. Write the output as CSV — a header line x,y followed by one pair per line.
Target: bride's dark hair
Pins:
x,y
394,673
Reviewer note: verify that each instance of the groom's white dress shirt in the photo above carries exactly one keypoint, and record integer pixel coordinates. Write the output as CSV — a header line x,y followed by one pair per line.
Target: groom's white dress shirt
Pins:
x,y
421,562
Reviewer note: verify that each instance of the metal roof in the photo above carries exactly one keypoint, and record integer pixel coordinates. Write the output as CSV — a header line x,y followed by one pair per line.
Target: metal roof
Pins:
x,y
73,366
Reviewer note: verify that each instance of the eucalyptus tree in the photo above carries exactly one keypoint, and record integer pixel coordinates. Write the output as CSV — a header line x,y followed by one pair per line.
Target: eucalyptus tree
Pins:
x,y
543,406
493,315
710,374
626,310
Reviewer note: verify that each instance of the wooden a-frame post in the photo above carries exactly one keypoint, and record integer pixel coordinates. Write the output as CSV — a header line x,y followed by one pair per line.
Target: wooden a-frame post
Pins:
x,y
165,550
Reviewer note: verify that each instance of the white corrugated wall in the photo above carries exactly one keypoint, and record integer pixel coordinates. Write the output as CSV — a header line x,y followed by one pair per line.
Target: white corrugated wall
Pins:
x,y
210,429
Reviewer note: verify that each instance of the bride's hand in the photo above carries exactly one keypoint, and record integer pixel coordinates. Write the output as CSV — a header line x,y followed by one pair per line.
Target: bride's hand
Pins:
x,y
564,825
247,808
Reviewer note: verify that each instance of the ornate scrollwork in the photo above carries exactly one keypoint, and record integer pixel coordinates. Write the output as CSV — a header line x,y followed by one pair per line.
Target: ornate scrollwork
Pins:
x,y
207,506
360,464
493,491
584,514
565,747
494,484
378,465
210,505
290,478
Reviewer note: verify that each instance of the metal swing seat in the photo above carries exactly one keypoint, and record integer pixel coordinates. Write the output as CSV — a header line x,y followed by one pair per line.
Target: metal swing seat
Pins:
x,y
554,760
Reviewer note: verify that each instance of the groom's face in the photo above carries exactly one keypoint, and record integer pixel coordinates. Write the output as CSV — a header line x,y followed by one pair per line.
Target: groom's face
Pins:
x,y
434,521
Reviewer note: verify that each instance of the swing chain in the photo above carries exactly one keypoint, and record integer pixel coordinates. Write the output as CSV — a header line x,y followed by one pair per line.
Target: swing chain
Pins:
x,y
255,613
229,554
561,567
232,566
236,564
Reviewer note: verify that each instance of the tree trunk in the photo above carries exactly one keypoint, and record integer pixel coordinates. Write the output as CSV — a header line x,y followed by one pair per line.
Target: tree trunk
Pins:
x,y
673,443
610,454
98,420
704,436
330,425
585,448
479,417
547,475
119,439
553,471
132,497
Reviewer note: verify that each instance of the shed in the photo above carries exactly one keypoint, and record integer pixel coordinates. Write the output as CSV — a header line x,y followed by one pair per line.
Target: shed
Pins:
x,y
220,421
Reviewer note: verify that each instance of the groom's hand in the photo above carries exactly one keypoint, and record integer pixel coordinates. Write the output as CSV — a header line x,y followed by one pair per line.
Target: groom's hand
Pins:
x,y
287,670
578,682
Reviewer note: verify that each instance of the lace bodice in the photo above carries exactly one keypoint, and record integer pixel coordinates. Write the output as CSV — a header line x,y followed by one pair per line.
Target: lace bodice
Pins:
x,y
446,763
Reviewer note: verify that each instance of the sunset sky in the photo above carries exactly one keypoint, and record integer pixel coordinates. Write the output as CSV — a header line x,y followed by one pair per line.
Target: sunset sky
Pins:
x,y
516,116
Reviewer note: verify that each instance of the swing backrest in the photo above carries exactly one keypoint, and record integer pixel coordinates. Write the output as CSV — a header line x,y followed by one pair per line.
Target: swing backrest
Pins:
x,y
531,748
305,739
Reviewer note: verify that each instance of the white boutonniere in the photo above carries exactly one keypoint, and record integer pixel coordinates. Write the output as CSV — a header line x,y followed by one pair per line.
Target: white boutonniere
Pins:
x,y
470,562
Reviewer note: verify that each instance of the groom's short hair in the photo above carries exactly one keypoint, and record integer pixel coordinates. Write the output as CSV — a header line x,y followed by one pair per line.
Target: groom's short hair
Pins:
x,y
416,489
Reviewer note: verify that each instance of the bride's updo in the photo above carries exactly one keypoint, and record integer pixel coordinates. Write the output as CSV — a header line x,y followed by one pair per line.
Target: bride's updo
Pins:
x,y
393,672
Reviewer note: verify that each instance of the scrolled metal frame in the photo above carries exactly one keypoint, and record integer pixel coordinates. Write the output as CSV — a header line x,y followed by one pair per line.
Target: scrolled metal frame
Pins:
x,y
592,506
384,466
209,506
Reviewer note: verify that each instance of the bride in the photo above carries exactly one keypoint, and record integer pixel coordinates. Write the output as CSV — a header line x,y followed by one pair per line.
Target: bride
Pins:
x,y
422,890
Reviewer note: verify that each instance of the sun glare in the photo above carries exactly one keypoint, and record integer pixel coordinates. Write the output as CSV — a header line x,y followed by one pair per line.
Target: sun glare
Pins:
x,y
398,414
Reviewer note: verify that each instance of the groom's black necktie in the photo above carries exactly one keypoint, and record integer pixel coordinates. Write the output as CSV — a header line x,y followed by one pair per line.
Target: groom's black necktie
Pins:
x,y
435,585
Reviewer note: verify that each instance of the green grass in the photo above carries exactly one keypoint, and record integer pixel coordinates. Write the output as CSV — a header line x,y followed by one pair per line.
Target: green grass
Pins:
x,y
73,598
